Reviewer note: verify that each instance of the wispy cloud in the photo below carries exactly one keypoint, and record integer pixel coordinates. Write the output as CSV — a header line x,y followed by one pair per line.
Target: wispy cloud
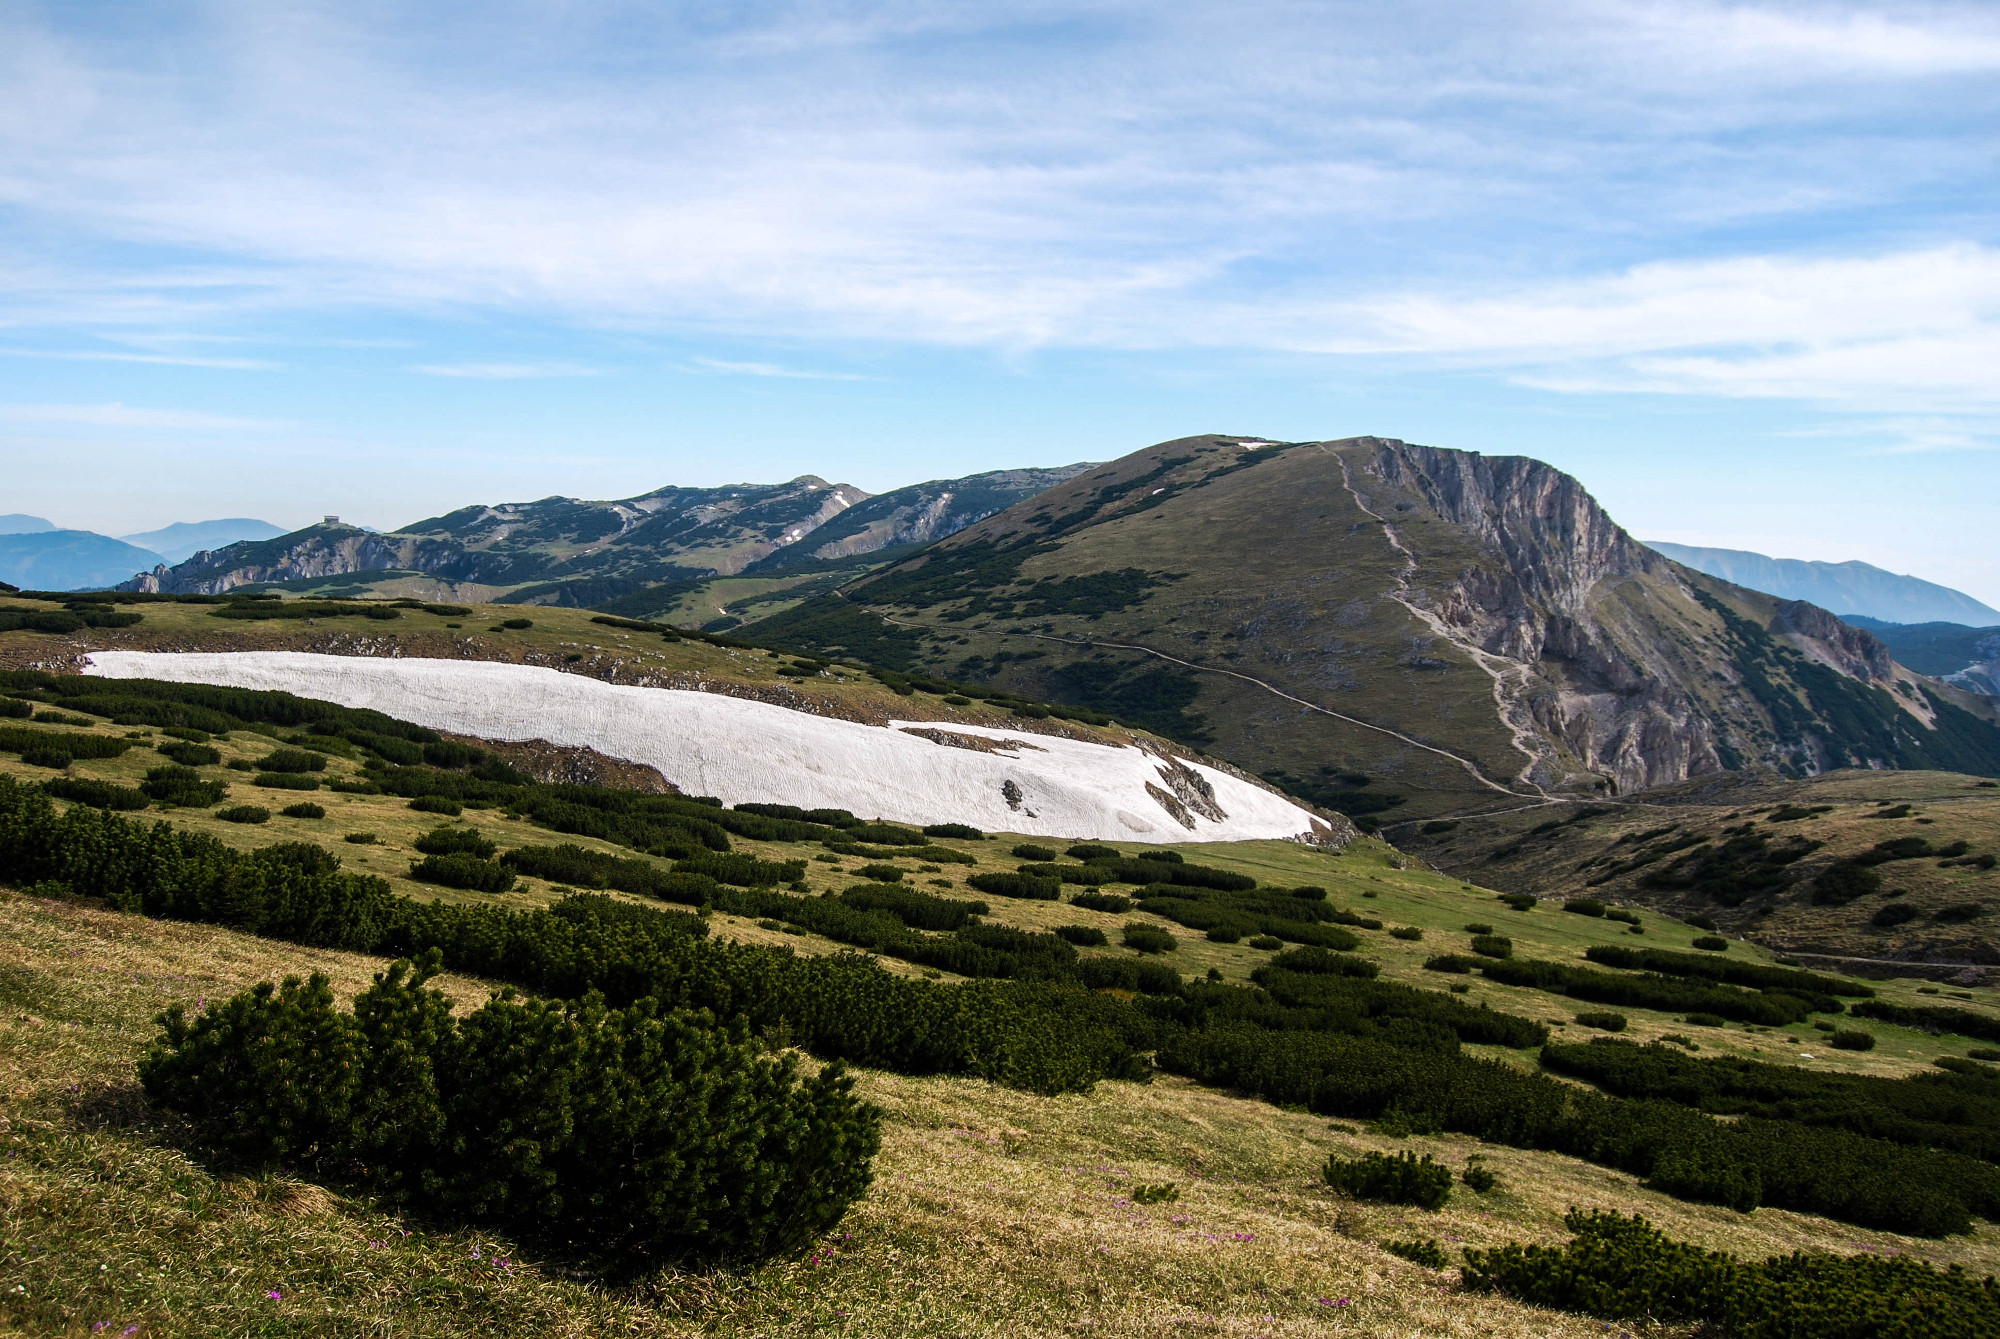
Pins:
x,y
162,359
126,416
773,370
505,371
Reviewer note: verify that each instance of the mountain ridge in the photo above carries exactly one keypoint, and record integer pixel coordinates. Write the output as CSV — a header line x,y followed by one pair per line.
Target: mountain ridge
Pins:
x,y
1843,588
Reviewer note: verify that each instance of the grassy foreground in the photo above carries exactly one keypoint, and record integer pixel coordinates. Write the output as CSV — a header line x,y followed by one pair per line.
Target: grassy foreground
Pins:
x,y
993,1213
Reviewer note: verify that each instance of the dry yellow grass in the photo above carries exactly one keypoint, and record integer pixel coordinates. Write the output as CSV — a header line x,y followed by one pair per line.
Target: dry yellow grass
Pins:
x,y
994,1212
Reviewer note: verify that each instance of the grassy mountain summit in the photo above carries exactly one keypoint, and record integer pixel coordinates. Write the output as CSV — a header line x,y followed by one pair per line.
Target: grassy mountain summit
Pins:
x,y
1375,623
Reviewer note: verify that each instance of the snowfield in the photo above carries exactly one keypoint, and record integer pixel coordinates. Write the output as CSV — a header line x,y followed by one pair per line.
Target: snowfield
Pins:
x,y
739,750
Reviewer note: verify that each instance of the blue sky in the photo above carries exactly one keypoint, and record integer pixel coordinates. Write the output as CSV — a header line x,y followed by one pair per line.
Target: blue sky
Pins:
x,y
1735,266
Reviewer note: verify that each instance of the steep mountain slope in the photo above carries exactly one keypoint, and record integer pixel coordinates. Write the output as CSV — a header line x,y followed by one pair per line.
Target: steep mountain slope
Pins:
x,y
69,559
1967,658
1373,622
183,539
18,523
1844,588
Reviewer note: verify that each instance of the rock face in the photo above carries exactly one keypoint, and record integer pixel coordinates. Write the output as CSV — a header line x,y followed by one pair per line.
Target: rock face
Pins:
x,y
1378,625
921,513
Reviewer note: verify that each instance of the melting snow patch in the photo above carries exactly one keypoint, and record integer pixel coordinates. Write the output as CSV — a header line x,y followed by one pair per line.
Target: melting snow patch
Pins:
x,y
738,750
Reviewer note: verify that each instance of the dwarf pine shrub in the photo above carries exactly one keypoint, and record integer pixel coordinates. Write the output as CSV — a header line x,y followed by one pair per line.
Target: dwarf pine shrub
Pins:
x,y
639,1131
1400,1178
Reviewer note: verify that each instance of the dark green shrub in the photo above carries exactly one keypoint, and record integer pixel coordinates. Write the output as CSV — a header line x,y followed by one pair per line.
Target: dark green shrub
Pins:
x,y
304,809
1083,936
56,759
1958,915
1016,885
190,755
1983,1053
360,838
1704,1020
1619,1268
1479,928
13,708
1399,1178
1410,932
1711,944
455,841
1852,1039
1148,939
745,871
1268,943
636,1131
1450,962
1584,906
437,804
918,911
1164,857
1520,901
1225,934
1030,851
96,794
244,813
21,739
1320,962
961,831
1117,904
1093,851
1423,1251
1896,913
1493,946
1843,882
1477,1179
880,873
293,760
285,781
1603,1020
517,624
459,870
1700,923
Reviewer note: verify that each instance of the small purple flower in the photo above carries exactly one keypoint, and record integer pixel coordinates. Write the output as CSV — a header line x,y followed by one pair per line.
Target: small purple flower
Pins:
x,y
275,1295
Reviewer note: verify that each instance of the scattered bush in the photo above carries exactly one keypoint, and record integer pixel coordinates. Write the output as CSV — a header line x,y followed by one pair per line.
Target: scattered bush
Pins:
x,y
638,1130
244,813
459,870
1704,1020
1896,913
1093,851
1225,934
360,838
437,804
1584,906
1399,1178
1479,928
190,755
1450,962
96,794
961,831
304,809
54,759
1619,1268
293,760
455,841
1493,946
1603,1020
1423,1251
1520,901
1477,1179
1409,932
285,781
1083,936
1148,939
880,873
1030,851
1711,944
1958,915
1116,904
1852,1039
1267,943
1016,885
1700,923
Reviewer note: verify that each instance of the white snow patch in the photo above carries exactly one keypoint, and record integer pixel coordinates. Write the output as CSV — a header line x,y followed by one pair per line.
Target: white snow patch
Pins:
x,y
738,750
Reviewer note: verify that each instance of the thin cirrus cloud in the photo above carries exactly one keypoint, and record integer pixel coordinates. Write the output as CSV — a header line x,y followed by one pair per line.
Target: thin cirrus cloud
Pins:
x,y
157,359
505,371
1549,189
128,416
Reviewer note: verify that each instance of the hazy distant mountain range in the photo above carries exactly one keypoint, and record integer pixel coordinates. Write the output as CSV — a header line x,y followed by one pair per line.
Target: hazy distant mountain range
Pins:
x,y
36,555
1841,588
